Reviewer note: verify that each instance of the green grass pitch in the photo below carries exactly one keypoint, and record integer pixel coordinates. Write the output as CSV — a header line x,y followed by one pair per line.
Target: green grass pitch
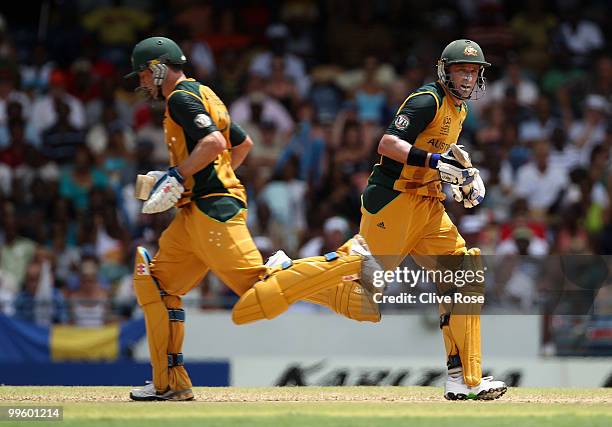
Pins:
x,y
318,406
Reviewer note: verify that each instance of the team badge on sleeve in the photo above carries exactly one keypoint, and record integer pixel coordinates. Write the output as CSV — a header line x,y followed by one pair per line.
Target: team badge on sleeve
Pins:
x,y
401,122
202,121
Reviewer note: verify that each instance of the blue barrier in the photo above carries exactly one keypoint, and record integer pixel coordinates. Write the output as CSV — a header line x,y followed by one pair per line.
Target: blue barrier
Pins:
x,y
125,373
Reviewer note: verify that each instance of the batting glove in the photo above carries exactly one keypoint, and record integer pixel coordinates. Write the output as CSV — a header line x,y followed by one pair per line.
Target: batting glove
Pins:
x,y
454,166
166,192
472,194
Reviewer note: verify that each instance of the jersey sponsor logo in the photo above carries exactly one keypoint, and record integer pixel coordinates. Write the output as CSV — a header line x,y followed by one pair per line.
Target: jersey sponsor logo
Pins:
x,y
381,225
470,51
202,121
401,122
439,145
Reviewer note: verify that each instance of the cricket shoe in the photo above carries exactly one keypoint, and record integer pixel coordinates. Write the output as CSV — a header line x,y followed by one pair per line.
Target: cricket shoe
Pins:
x,y
148,394
369,265
488,389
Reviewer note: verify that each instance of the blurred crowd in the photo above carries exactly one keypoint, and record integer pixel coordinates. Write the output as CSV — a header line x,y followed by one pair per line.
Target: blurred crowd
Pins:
x,y
315,84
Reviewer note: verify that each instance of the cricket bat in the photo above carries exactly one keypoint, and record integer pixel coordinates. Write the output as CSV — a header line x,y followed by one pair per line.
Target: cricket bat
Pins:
x,y
144,185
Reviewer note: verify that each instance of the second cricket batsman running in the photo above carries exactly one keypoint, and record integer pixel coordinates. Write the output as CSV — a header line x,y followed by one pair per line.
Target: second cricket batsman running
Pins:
x,y
209,232
403,214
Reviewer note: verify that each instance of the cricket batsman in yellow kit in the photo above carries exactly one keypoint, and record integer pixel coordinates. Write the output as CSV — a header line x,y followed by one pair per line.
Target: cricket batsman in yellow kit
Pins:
x,y
209,231
402,210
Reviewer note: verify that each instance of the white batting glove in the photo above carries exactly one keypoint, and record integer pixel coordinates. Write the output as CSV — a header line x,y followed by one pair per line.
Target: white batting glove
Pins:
x,y
166,192
454,166
472,194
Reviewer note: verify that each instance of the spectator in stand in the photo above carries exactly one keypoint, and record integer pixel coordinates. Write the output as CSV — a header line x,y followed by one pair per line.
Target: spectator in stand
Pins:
x,y
255,106
523,242
335,231
600,82
228,35
8,291
492,128
294,66
10,94
325,95
66,256
282,87
200,57
587,189
153,132
492,31
16,251
514,77
357,28
90,303
355,148
14,113
578,38
585,134
532,28
45,106
77,180
193,16
285,196
99,134
413,75
541,183
231,74
97,108
307,145
371,72
369,96
514,112
39,302
36,70
117,26
15,154
572,237
542,125
61,140
116,161
562,152
520,269
266,151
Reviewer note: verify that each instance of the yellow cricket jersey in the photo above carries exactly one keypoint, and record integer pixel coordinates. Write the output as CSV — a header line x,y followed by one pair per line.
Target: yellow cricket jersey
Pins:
x,y
429,120
193,111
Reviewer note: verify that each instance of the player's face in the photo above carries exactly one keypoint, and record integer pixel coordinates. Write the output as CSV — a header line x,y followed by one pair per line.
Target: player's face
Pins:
x,y
146,83
464,77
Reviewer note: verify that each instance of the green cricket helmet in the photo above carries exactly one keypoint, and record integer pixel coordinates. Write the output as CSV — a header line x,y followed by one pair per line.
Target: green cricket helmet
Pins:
x,y
155,50
463,52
